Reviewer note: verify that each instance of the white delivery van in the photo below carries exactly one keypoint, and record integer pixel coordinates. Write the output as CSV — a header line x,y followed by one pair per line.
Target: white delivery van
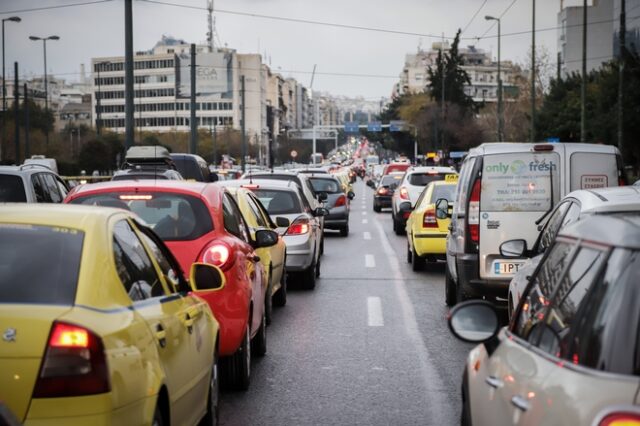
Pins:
x,y
505,191
49,163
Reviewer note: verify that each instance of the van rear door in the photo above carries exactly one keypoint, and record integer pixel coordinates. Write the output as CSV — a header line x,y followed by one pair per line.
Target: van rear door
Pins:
x,y
516,190
590,170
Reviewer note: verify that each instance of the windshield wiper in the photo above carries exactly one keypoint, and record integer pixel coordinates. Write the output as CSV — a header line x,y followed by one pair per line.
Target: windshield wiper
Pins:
x,y
541,218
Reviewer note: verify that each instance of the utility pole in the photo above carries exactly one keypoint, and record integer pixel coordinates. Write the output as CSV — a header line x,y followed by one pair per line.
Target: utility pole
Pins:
x,y
444,112
559,66
16,112
532,136
128,74
193,140
583,91
244,135
27,149
621,60
4,88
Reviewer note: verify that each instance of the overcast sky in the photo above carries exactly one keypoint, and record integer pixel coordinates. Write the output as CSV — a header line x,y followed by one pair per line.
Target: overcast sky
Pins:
x,y
373,59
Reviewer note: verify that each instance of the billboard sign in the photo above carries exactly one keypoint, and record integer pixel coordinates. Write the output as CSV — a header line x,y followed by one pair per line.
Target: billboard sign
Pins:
x,y
213,74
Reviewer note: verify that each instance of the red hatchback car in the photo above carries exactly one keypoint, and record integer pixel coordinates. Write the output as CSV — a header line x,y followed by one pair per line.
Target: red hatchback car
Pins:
x,y
201,222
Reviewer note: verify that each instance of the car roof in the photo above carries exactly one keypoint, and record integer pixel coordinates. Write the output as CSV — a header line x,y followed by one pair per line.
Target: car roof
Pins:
x,y
25,169
508,147
80,217
192,187
262,183
618,231
427,169
607,200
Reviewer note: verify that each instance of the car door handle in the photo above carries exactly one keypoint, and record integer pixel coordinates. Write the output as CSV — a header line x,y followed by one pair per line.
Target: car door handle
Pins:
x,y
494,382
520,403
161,335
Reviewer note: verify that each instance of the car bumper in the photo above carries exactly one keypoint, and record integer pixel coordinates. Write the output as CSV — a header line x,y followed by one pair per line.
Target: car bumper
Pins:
x,y
382,201
495,291
300,253
338,218
426,244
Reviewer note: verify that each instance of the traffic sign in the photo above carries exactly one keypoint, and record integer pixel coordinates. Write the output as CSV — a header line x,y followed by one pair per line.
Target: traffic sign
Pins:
x,y
374,126
552,140
351,127
396,125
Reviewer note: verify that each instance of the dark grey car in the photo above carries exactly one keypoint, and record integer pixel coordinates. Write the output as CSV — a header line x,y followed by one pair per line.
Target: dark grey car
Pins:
x,y
337,202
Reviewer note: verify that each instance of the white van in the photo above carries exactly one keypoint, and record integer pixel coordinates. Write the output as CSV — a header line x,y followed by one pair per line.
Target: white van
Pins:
x,y
505,191
49,163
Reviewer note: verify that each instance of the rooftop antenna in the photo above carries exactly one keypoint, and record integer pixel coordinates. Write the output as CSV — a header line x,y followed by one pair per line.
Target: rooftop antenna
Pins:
x,y
313,74
212,23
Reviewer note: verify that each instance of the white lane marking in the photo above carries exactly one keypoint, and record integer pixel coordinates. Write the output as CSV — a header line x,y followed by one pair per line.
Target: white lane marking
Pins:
x,y
364,213
365,221
369,261
367,235
374,311
430,376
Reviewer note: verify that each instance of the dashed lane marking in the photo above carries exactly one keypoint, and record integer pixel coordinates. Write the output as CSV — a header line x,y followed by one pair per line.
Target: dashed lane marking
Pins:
x,y
369,261
367,235
364,221
374,311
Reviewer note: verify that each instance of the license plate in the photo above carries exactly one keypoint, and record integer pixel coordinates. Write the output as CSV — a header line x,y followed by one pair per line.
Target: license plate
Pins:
x,y
506,268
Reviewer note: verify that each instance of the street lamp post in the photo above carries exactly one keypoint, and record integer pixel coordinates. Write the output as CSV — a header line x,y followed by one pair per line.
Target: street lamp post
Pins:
x,y
500,114
46,86
4,85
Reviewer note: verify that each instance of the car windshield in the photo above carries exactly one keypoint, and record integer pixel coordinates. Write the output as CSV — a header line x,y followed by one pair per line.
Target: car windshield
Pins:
x,y
173,217
188,168
279,202
390,179
325,185
423,179
39,264
12,189
448,192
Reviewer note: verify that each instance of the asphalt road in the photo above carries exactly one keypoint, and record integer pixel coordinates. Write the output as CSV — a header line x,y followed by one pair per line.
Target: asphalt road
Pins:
x,y
369,346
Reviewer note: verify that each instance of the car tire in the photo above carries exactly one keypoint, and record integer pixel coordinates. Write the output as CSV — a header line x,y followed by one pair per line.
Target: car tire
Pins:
x,y
377,208
268,301
449,288
259,342
460,296
397,227
318,263
213,401
344,231
308,277
409,253
158,417
236,369
280,298
418,262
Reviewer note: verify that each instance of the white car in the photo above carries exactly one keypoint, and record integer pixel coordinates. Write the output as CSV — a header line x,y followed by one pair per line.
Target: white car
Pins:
x,y
575,206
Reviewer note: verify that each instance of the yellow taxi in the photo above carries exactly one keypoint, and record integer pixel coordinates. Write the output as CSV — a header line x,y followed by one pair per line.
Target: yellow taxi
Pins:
x,y
273,257
427,226
97,325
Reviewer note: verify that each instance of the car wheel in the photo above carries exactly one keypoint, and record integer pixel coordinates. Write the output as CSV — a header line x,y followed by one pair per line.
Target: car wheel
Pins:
x,y
158,418
460,296
409,253
259,343
237,368
418,262
449,288
397,227
318,263
213,402
376,208
280,298
344,231
268,301
308,277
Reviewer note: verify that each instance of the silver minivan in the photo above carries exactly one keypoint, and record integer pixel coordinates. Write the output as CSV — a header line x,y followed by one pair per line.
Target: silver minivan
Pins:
x,y
505,191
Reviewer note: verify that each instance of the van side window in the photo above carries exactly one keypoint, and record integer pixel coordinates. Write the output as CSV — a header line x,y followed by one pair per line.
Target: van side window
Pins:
x,y
39,189
552,226
51,187
459,207
232,217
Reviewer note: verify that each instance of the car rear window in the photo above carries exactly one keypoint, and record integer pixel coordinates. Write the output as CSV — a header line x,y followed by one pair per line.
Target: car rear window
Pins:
x,y
174,217
12,189
389,179
39,264
279,202
130,176
519,182
423,179
448,192
325,185
188,168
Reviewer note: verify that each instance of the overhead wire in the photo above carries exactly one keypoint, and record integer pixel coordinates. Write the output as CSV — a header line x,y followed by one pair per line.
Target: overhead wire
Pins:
x,y
474,16
60,6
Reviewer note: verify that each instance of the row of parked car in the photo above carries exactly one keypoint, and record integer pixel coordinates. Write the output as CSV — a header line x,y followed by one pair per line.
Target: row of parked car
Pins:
x,y
549,232
142,296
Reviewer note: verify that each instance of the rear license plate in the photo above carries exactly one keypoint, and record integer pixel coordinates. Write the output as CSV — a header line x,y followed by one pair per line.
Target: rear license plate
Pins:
x,y
506,268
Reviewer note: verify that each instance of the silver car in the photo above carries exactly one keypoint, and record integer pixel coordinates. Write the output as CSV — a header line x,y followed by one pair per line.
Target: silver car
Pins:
x,y
297,221
337,201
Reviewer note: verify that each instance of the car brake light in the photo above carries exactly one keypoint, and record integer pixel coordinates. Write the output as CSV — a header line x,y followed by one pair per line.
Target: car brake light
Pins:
x,y
474,212
250,186
74,364
383,191
620,419
543,147
429,219
341,201
136,197
404,193
621,181
219,255
299,226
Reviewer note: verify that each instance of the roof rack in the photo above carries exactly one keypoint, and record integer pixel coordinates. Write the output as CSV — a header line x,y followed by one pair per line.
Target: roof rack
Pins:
x,y
36,165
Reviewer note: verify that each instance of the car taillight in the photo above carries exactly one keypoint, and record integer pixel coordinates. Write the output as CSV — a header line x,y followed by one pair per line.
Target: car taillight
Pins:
x,y
341,201
621,181
429,219
74,364
299,226
474,212
404,193
383,191
219,255
620,419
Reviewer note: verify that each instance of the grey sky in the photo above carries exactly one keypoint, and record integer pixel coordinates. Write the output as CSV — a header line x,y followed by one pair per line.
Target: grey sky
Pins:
x,y
98,30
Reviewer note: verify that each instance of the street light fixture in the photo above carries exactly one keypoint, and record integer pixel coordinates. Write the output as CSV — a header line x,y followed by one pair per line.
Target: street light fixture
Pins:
x,y
4,85
46,86
500,114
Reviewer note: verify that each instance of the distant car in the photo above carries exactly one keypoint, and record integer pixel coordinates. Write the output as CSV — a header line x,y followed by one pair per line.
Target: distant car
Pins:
x,y
576,205
31,183
201,222
337,202
384,190
428,224
146,172
570,354
193,167
413,182
98,326
396,167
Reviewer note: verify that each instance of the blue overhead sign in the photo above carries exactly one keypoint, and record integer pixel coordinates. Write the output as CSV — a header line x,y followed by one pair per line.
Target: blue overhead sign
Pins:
x,y
351,127
552,140
396,125
374,126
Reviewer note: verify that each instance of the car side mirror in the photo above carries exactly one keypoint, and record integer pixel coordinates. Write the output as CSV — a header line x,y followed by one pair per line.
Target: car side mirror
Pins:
x,y
475,321
282,222
204,276
405,207
442,208
371,183
321,211
322,196
265,238
351,195
213,177
513,248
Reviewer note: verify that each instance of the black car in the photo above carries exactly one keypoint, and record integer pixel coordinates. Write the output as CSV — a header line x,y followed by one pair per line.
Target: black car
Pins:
x,y
384,190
